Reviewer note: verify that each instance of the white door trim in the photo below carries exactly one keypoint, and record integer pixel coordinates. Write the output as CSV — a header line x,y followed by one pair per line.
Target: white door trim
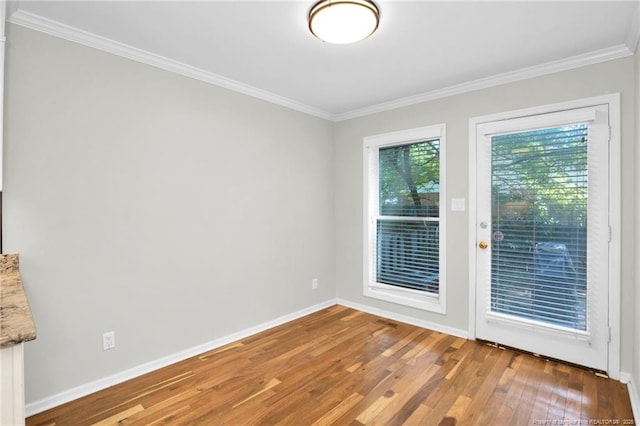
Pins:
x,y
615,199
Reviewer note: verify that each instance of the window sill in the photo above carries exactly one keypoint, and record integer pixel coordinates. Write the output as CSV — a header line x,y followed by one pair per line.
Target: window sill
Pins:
x,y
414,299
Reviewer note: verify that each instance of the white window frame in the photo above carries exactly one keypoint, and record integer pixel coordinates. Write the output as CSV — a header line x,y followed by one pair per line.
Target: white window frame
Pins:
x,y
394,294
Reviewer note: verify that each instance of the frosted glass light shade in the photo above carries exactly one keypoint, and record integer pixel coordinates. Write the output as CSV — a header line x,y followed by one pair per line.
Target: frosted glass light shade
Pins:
x,y
343,21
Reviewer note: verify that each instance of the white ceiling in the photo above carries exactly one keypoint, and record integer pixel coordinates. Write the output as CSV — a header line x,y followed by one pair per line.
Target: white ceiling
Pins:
x,y
422,49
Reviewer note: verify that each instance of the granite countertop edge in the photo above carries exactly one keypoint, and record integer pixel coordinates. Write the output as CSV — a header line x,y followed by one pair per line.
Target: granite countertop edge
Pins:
x,y
16,320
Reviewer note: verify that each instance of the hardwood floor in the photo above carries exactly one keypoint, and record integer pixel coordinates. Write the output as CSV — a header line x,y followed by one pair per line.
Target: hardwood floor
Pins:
x,y
341,366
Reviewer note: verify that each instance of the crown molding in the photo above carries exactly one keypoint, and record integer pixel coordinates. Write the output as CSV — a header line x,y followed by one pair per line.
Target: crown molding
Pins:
x,y
66,32
590,58
57,29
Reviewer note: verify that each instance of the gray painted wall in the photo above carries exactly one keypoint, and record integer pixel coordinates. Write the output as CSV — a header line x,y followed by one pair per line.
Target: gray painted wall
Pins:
x,y
455,111
176,212
168,210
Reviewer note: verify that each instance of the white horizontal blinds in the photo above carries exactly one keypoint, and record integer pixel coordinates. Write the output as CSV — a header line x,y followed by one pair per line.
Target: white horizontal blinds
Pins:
x,y
539,225
407,226
408,254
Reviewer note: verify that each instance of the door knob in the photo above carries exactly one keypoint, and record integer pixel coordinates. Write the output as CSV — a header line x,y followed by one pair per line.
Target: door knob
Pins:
x,y
483,245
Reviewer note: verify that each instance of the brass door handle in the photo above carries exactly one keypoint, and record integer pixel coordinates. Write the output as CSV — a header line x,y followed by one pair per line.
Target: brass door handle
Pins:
x,y
483,245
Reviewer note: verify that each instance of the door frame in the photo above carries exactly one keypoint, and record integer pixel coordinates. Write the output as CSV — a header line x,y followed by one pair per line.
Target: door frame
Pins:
x,y
613,101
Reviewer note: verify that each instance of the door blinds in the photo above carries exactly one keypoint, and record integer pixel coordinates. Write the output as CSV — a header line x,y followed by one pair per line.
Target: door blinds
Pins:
x,y
539,225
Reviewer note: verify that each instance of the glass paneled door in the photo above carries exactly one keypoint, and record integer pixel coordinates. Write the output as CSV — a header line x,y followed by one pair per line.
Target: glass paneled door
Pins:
x,y
543,234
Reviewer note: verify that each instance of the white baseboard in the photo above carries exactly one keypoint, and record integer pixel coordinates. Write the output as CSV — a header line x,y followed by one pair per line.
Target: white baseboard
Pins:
x,y
405,318
97,385
44,404
634,395
88,388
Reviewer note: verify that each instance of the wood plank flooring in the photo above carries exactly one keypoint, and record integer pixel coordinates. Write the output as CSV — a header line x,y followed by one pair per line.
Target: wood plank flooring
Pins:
x,y
345,367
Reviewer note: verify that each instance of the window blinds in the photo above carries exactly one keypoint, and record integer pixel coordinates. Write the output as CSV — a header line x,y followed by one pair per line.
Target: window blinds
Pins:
x,y
539,225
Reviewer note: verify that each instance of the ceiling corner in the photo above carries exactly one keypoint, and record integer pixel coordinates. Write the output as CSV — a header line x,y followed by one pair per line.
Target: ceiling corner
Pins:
x,y
11,7
633,35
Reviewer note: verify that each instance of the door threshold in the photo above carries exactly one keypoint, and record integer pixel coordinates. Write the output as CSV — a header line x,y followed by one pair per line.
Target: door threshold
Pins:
x,y
599,373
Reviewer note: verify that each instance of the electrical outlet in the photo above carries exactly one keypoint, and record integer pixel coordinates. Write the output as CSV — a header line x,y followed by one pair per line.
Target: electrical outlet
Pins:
x,y
314,283
108,340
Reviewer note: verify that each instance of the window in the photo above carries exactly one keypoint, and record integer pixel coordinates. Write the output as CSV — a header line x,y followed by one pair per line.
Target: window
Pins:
x,y
404,221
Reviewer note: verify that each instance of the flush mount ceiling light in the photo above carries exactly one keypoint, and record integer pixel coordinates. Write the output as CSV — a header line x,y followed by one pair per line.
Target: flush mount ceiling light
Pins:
x,y
343,21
